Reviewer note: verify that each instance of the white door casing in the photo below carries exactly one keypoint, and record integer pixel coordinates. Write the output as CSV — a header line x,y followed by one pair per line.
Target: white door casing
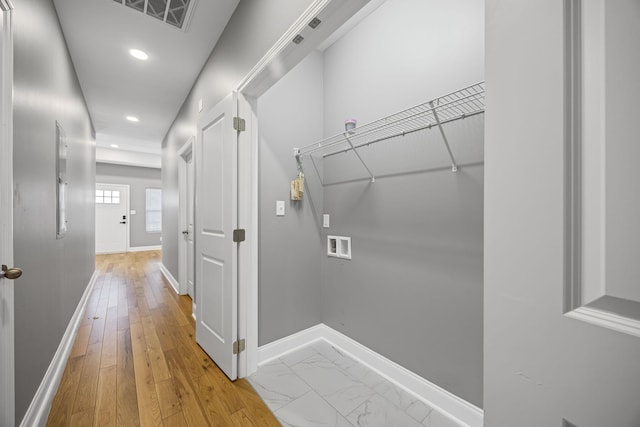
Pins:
x,y
112,219
7,374
216,213
190,224
248,250
186,186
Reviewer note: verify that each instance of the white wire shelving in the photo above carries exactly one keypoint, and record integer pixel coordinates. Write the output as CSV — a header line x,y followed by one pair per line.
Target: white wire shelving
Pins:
x,y
454,106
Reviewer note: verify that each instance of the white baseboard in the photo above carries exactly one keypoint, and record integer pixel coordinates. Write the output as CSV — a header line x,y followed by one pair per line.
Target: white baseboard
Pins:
x,y
38,411
172,280
445,402
275,349
145,248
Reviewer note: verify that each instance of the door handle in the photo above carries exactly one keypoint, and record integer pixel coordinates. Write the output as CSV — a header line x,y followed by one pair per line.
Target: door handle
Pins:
x,y
185,232
123,222
10,273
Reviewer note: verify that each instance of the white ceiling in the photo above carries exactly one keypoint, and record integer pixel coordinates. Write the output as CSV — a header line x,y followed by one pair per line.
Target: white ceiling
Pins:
x,y
100,33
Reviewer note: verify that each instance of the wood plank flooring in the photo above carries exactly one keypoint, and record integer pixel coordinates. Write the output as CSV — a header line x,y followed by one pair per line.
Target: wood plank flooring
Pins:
x,y
135,361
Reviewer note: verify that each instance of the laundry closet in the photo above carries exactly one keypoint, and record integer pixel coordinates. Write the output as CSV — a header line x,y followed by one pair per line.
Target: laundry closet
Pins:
x,y
384,123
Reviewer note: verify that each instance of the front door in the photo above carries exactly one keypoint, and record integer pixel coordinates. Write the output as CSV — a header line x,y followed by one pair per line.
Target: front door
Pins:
x,y
215,219
112,218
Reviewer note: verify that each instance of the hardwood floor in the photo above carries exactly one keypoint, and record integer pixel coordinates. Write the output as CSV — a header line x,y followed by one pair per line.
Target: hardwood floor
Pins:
x,y
135,360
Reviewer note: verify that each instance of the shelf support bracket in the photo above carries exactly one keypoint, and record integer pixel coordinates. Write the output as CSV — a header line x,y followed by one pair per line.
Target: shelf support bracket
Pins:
x,y
373,178
454,165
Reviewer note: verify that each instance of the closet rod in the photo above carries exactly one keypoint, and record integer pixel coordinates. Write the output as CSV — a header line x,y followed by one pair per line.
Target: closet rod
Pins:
x,y
395,135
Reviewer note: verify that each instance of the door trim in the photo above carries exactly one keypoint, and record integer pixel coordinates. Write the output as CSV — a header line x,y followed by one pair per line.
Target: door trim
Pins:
x,y
7,368
248,251
183,153
128,204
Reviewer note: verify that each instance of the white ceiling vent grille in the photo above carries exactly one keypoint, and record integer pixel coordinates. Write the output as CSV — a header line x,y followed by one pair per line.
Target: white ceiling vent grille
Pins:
x,y
173,12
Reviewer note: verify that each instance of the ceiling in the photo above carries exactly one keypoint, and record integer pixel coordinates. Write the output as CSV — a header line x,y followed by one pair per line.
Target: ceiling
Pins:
x,y
99,34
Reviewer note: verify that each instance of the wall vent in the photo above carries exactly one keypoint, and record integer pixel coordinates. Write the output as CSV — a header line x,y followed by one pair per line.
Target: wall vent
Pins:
x,y
174,12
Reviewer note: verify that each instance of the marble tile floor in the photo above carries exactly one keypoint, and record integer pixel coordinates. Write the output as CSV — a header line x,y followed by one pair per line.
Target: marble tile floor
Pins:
x,y
319,386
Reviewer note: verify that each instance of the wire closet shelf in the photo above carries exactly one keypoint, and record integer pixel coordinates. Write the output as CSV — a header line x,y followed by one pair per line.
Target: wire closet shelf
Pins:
x,y
457,105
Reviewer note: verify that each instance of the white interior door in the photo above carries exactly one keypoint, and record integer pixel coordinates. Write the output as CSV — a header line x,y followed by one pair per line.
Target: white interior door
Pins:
x,y
7,376
190,222
215,219
112,218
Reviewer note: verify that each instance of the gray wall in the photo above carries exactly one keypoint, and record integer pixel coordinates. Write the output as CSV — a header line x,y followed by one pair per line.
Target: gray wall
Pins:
x,y
138,180
540,366
290,247
254,27
413,290
56,272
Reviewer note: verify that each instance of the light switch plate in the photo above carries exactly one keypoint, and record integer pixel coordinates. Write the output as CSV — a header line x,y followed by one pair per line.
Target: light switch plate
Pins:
x,y
326,220
280,207
199,105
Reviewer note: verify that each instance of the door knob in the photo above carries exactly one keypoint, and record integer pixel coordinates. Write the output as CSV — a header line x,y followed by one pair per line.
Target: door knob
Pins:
x,y
10,273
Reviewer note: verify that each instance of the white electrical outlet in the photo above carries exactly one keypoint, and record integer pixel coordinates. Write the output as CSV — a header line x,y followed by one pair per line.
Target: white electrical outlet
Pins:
x,y
280,207
132,211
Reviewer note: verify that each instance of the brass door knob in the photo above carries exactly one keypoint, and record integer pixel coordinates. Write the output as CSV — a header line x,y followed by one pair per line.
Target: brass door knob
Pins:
x,y
10,273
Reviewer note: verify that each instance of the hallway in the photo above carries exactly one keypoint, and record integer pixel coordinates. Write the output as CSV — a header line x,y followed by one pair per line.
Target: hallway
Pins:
x,y
135,361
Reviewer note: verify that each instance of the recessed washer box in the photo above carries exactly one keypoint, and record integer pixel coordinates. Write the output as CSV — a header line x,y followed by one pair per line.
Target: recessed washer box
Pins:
x,y
339,247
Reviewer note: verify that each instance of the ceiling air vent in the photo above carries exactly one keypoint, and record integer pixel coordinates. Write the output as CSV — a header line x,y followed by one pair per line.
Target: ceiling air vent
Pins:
x,y
173,12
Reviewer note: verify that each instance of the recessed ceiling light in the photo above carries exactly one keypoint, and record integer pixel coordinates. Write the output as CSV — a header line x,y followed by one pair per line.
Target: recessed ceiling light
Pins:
x,y
133,119
114,145
138,54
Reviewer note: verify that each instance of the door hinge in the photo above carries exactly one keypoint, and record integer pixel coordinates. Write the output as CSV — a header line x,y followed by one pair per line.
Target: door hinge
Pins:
x,y
238,235
238,346
239,124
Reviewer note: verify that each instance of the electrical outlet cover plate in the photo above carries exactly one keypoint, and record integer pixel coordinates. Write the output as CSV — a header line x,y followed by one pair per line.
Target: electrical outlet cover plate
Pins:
x,y
326,220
